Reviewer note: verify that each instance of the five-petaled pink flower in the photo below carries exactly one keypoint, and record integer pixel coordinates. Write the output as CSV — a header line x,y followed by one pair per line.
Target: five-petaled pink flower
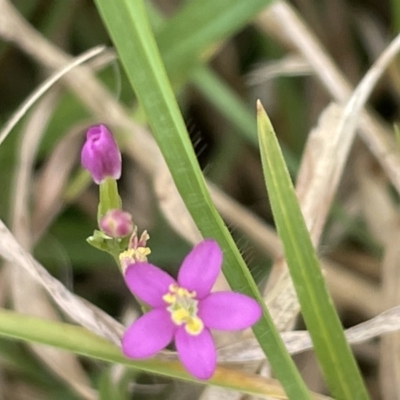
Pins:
x,y
100,154
185,310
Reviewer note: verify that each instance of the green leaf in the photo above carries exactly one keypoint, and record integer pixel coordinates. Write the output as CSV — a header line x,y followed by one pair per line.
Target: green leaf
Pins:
x,y
80,341
129,29
334,354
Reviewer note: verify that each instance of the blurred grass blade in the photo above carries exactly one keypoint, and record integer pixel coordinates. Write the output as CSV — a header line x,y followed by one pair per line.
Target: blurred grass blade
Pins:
x,y
198,27
226,101
114,383
80,341
233,108
130,31
222,97
338,364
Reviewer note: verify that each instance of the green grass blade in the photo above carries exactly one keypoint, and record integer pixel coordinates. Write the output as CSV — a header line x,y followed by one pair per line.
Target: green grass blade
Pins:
x,y
218,93
334,354
395,8
198,27
221,96
80,341
128,26
233,108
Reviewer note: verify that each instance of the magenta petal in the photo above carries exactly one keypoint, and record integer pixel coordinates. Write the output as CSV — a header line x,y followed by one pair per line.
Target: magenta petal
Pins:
x,y
201,267
100,154
228,311
148,282
197,353
149,334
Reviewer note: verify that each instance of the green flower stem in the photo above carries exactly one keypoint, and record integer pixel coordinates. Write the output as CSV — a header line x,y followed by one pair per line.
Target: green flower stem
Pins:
x,y
109,197
115,252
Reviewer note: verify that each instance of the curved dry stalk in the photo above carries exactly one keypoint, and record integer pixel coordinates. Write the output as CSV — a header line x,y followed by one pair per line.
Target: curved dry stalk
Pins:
x,y
389,363
280,20
27,295
320,173
383,219
140,144
44,87
296,342
53,178
77,309
81,81
290,65
51,56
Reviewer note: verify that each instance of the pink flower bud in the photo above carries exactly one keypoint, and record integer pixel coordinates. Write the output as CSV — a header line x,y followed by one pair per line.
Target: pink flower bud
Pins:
x,y
116,223
100,154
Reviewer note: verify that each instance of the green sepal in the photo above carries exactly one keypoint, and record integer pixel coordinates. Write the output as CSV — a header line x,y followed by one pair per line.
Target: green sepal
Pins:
x,y
99,240
102,242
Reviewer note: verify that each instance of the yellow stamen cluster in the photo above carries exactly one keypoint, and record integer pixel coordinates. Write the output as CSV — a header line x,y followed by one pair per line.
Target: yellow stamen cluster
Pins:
x,y
133,255
183,309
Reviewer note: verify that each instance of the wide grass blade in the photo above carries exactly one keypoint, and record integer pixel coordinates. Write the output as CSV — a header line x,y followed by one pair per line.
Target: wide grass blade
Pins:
x,y
129,29
78,340
334,354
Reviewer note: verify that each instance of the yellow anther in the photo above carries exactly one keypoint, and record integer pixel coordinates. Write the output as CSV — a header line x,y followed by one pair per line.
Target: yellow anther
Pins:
x,y
183,292
141,254
126,254
169,298
194,326
143,251
133,255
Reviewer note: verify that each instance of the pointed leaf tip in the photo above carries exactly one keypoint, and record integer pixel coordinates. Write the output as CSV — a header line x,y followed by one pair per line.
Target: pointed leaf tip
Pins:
x,y
259,106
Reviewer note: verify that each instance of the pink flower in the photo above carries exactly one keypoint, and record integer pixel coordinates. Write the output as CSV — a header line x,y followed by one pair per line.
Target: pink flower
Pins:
x,y
100,154
185,310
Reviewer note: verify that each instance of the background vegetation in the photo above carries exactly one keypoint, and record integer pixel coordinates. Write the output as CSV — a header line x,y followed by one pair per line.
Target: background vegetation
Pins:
x,y
302,59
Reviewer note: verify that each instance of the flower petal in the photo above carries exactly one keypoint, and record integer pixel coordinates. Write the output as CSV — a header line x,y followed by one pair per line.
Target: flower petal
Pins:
x,y
228,311
148,282
201,267
196,352
148,334
100,154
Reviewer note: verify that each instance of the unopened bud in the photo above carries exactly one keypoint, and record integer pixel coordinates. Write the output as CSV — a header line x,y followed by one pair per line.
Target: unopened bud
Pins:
x,y
100,154
116,223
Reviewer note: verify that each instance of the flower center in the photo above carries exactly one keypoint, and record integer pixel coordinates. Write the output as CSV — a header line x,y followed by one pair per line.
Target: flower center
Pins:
x,y
183,309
